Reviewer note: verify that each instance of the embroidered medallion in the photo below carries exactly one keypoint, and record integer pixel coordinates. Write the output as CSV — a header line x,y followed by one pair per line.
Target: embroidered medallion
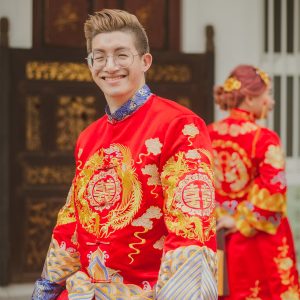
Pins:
x,y
104,190
195,195
190,201
98,186
231,168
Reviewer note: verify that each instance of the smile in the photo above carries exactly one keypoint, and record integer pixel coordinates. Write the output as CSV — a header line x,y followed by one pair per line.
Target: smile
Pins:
x,y
113,79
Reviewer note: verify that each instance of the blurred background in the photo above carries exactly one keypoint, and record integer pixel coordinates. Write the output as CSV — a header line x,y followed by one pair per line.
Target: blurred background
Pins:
x,y
47,97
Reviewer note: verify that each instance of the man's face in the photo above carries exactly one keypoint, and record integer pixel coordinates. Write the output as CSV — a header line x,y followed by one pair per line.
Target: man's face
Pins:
x,y
117,81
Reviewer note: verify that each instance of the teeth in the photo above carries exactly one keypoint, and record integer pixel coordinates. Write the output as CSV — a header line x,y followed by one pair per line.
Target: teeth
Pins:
x,y
113,78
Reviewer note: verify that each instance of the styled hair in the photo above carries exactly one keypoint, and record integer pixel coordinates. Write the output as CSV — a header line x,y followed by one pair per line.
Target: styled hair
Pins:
x,y
243,81
109,20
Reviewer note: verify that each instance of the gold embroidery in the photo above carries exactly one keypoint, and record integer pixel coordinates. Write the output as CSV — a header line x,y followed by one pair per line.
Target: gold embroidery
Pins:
x,y
152,171
254,292
234,129
153,147
195,195
98,270
146,222
191,131
74,238
80,286
60,262
285,264
174,260
231,167
247,221
160,243
180,173
124,212
104,190
262,198
291,294
241,115
67,214
275,157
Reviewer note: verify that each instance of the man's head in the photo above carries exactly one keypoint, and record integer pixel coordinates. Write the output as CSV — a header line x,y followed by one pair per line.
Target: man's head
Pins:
x,y
118,54
109,20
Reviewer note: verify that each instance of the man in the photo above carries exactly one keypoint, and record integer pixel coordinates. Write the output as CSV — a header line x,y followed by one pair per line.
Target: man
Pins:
x,y
138,222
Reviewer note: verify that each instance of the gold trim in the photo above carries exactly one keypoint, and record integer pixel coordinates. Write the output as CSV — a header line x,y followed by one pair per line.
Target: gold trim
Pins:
x,y
33,123
58,71
262,198
247,222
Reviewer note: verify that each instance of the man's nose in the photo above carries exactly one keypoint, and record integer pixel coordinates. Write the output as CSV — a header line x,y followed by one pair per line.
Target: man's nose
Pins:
x,y
110,64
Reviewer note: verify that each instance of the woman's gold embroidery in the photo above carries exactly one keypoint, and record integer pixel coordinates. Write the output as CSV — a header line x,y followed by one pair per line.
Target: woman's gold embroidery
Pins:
x,y
285,264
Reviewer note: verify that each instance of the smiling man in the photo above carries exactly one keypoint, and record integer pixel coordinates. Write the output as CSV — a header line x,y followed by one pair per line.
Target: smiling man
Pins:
x,y
138,222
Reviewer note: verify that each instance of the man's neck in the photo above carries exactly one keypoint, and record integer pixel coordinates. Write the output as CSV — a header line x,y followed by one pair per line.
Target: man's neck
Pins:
x,y
114,103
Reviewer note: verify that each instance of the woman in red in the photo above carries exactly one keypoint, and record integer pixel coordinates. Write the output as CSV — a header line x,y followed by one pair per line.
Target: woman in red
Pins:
x,y
251,191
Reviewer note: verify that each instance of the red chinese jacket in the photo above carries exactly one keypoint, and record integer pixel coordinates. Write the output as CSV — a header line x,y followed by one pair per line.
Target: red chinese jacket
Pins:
x,y
139,221
251,187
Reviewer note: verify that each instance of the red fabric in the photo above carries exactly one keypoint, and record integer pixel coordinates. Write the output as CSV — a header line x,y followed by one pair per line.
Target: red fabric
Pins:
x,y
260,256
131,249
63,295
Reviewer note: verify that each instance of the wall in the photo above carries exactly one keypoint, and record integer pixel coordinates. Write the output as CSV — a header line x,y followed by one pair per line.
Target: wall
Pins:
x,y
238,32
19,13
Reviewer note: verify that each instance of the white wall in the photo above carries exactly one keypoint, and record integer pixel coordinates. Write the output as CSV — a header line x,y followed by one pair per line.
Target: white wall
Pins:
x,y
238,26
19,13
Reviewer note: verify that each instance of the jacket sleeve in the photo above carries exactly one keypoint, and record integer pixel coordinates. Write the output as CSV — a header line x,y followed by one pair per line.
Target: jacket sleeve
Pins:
x,y
62,259
188,265
266,202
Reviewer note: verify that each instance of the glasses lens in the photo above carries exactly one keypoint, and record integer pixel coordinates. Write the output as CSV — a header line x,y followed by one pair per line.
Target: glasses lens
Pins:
x,y
99,59
123,59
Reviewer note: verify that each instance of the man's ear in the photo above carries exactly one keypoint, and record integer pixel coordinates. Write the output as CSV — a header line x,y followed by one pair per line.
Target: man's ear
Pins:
x,y
147,61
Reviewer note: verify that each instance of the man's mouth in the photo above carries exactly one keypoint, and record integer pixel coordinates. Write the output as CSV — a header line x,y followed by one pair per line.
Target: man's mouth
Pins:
x,y
112,79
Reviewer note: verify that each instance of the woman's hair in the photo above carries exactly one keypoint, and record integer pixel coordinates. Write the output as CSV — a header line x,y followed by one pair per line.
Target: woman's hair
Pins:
x,y
243,81
109,20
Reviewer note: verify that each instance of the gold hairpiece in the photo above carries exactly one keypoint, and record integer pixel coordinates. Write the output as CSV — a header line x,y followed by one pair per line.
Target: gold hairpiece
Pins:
x,y
231,84
264,76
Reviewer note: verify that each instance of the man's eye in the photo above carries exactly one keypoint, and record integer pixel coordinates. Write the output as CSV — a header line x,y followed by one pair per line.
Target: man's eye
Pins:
x,y
122,56
99,58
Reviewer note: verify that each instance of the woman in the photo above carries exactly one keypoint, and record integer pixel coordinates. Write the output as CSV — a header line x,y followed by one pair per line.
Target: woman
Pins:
x,y
251,192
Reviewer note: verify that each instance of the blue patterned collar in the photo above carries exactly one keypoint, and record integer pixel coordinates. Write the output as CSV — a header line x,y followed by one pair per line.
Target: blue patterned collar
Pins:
x,y
140,97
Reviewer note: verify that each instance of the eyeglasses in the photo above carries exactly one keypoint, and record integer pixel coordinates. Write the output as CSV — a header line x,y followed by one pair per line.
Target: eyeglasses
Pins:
x,y
98,60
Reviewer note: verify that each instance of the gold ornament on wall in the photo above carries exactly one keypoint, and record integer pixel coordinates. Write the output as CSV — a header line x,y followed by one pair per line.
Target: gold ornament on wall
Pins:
x,y
33,123
58,71
73,115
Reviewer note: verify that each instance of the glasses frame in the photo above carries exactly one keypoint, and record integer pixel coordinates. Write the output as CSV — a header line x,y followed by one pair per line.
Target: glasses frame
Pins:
x,y
90,60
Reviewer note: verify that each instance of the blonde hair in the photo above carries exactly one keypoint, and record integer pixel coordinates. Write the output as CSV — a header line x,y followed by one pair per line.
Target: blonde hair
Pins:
x,y
109,20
